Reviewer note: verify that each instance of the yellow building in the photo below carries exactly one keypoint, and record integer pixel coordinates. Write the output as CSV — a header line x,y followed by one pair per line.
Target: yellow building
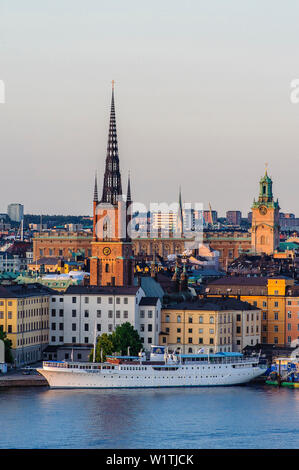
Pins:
x,y
189,328
47,265
210,324
267,294
24,316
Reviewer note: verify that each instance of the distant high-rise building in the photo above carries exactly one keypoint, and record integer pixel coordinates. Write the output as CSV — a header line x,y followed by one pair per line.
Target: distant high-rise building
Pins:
x,y
233,217
165,220
210,217
15,212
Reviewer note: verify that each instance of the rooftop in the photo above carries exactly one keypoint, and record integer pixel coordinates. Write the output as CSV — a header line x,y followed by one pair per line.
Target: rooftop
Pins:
x,y
240,281
24,290
94,290
215,304
150,301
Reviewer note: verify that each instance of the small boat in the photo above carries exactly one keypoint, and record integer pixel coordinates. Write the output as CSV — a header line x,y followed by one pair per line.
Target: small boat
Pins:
x,y
284,373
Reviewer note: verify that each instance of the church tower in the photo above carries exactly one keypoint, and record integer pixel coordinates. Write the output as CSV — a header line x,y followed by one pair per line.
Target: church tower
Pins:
x,y
112,262
265,219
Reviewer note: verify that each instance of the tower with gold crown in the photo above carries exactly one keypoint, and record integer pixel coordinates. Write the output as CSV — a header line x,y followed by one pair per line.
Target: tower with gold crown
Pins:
x,y
265,219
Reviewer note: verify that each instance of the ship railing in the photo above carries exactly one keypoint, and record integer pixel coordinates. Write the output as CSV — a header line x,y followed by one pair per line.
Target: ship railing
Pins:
x,y
72,365
223,360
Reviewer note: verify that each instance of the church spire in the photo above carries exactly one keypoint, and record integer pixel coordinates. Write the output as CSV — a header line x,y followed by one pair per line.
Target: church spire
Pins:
x,y
129,199
95,193
180,214
112,179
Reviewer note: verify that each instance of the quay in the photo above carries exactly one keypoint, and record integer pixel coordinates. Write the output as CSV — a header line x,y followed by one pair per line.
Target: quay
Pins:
x,y
20,380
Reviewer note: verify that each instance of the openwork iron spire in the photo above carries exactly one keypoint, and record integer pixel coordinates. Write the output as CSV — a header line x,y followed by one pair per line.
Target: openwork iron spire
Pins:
x,y
129,199
95,194
112,179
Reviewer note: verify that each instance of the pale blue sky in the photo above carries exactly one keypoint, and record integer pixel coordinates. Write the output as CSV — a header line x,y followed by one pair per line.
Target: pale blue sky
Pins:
x,y
202,100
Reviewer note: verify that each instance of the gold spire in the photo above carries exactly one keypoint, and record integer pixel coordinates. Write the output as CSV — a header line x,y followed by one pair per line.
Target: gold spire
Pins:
x,y
266,168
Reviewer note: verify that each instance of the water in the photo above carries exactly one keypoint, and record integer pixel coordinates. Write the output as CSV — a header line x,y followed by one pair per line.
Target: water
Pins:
x,y
196,418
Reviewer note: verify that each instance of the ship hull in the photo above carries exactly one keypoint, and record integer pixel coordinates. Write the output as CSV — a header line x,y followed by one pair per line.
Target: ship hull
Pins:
x,y
214,376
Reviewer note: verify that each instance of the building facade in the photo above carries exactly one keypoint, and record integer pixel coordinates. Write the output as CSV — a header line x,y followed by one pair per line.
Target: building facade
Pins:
x,y
212,325
82,313
15,212
191,326
229,243
269,295
233,217
61,244
24,316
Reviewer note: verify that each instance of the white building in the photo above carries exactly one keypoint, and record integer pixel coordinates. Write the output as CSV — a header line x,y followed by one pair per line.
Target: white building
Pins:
x,y
149,321
12,263
246,328
81,313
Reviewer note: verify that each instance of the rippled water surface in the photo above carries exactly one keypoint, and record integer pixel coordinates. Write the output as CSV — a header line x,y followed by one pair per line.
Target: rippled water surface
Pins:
x,y
225,417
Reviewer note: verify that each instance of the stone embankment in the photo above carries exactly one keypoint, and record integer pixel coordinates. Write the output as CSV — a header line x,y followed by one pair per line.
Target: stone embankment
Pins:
x,y
20,380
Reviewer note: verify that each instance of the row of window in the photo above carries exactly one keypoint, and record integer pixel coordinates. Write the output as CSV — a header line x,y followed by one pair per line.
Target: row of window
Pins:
x,y
149,327
42,325
32,340
190,319
87,340
99,300
239,329
200,330
26,314
149,314
23,328
239,317
59,252
190,340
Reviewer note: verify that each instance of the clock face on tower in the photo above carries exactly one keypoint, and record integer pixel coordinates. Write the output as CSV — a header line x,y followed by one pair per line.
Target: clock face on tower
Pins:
x,y
263,210
106,251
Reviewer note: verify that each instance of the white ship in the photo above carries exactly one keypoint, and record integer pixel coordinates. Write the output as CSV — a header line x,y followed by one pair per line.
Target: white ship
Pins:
x,y
162,370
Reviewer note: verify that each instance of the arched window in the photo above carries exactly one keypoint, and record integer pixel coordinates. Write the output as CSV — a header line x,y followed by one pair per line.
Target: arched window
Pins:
x,y
167,319
200,319
211,319
107,268
179,318
262,240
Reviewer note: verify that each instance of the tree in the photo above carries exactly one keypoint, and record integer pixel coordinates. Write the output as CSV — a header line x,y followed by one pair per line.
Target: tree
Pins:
x,y
8,345
104,344
126,336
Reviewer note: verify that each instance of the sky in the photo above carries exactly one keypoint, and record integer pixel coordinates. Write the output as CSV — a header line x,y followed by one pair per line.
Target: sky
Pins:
x,y
202,96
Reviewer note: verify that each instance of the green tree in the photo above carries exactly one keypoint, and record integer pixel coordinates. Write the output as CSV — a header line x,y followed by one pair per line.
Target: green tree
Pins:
x,y
7,345
104,344
126,336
